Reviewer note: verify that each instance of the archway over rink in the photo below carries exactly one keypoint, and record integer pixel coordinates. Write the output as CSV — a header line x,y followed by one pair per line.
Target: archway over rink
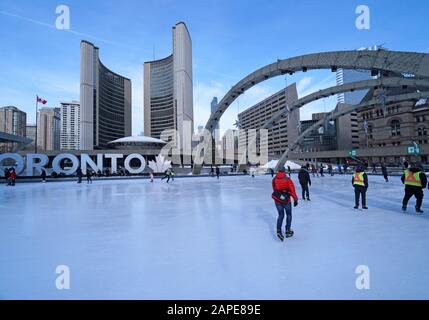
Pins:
x,y
397,62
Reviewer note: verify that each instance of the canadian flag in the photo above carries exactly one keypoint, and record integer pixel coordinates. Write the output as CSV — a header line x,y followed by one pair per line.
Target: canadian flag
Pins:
x,y
42,101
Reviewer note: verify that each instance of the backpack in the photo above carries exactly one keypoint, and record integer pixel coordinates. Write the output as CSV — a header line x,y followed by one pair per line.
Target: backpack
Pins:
x,y
282,196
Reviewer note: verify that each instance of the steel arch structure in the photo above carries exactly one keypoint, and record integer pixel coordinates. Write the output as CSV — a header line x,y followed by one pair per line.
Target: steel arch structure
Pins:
x,y
416,64
339,113
359,85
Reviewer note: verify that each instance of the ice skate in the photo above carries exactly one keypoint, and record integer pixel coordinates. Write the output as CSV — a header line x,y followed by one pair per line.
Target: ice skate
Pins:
x,y
280,235
419,211
289,233
404,209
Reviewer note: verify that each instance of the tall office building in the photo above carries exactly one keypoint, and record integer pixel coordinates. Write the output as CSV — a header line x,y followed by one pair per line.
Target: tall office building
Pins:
x,y
285,131
347,126
48,129
70,125
168,92
105,101
213,107
13,121
30,133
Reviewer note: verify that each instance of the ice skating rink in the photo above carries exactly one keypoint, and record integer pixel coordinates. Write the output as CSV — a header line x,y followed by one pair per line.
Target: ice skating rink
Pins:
x,y
203,238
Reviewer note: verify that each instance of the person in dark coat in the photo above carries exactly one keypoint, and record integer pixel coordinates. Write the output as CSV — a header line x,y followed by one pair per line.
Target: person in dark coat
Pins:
x,y
43,175
272,172
217,172
88,176
415,181
384,172
321,171
167,175
330,170
6,175
79,175
304,181
360,184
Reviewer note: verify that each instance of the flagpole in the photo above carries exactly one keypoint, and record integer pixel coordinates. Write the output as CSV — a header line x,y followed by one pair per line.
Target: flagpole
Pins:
x,y
35,141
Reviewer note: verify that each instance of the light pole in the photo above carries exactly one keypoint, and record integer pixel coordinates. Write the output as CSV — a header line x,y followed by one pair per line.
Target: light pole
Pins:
x,y
35,136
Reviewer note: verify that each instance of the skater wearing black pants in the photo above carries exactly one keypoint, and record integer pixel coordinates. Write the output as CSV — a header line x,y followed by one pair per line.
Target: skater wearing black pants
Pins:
x,y
167,175
360,184
6,176
415,181
43,175
79,175
89,177
304,181
283,189
217,172
384,172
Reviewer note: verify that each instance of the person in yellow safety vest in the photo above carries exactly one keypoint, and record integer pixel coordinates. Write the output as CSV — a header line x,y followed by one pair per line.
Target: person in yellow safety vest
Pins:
x,y
360,184
415,181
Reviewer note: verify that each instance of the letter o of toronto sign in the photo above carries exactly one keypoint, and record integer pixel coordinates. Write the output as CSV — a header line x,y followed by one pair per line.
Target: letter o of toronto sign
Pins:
x,y
56,163
128,161
19,162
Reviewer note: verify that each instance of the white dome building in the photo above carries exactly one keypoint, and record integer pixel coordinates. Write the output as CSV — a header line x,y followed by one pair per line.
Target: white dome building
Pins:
x,y
137,143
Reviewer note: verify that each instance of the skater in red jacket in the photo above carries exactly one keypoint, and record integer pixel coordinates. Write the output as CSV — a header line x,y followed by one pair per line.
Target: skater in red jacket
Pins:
x,y
284,188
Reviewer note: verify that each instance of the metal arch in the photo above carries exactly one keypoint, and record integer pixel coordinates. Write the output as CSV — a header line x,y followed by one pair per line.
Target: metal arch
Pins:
x,y
416,64
349,109
413,63
359,85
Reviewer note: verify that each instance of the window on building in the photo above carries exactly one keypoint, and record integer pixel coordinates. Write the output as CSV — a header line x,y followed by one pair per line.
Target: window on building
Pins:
x,y
395,128
422,132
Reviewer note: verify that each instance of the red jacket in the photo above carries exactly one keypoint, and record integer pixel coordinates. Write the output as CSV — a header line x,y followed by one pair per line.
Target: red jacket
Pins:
x,y
284,183
12,175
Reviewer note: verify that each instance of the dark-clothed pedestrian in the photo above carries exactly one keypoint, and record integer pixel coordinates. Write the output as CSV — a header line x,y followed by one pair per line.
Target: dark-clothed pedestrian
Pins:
x,y
415,181
304,181
384,172
79,175
360,184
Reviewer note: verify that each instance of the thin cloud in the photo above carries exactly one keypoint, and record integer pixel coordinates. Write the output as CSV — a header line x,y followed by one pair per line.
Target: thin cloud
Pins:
x,y
77,33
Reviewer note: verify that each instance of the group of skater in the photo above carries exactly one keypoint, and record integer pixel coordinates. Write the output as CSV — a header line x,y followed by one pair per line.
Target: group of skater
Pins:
x,y
168,174
413,178
284,193
215,172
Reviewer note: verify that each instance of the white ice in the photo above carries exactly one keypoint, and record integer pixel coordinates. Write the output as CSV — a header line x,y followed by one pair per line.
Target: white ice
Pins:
x,y
203,238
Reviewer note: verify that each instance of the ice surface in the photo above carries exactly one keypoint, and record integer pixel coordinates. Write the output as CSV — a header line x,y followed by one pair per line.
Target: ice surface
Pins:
x,y
203,238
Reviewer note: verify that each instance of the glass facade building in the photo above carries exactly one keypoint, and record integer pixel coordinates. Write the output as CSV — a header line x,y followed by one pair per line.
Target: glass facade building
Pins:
x,y
168,88
105,100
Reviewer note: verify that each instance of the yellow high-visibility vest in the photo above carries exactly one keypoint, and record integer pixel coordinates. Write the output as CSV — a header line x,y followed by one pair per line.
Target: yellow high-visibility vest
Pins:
x,y
358,179
412,179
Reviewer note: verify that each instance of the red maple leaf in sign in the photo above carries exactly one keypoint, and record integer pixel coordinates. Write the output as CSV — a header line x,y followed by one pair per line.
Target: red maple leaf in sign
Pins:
x,y
42,101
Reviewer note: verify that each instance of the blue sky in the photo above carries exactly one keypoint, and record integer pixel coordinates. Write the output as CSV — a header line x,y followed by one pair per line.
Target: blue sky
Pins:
x,y
230,40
